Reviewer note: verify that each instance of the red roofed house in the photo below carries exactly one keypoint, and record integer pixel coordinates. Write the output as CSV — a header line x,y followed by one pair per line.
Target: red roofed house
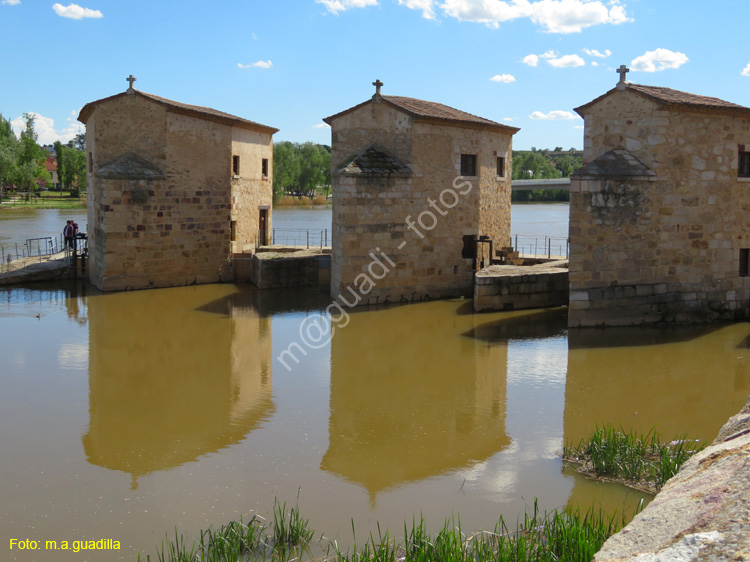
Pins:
x,y
658,215
173,190
411,180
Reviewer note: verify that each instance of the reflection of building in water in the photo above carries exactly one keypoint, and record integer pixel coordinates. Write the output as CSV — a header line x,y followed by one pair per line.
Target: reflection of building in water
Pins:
x,y
172,378
650,378
411,398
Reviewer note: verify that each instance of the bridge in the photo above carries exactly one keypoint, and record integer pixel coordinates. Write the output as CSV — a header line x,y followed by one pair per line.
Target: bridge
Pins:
x,y
528,185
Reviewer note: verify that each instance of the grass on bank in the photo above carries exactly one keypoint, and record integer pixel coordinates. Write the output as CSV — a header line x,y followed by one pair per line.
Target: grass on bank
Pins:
x,y
43,200
566,536
641,461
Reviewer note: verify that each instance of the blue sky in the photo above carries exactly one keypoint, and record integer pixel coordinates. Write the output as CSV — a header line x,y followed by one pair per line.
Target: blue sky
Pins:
x,y
289,63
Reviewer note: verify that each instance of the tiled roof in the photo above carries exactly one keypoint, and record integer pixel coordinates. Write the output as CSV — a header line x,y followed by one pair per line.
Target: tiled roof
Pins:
x,y
676,99
431,111
374,161
186,109
617,162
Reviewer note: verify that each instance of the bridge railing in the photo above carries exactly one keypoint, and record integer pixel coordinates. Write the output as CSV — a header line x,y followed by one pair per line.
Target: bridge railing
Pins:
x,y
298,237
545,246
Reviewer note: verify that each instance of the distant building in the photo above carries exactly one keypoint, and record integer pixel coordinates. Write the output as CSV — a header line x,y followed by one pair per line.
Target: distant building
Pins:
x,y
50,164
173,190
413,183
658,215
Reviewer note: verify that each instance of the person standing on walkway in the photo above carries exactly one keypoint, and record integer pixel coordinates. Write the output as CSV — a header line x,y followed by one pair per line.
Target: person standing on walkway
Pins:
x,y
68,234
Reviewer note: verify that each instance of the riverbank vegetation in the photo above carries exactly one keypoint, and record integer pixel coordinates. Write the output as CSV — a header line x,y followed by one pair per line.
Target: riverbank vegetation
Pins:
x,y
641,461
544,164
43,200
27,167
558,536
301,170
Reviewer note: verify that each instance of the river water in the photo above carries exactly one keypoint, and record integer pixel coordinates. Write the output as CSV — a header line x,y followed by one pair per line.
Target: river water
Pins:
x,y
124,416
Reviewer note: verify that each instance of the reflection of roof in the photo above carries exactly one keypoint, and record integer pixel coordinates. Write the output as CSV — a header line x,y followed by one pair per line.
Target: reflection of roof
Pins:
x,y
184,108
617,162
430,111
374,161
676,99
130,166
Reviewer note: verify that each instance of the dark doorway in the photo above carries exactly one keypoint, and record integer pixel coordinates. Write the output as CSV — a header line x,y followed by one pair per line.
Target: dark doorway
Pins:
x,y
262,227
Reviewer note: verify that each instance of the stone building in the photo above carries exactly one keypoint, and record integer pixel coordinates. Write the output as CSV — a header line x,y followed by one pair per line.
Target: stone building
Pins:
x,y
411,180
658,215
173,190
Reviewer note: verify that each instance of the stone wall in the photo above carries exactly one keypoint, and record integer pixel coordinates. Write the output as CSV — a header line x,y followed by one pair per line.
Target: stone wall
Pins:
x,y
418,219
520,287
251,190
664,248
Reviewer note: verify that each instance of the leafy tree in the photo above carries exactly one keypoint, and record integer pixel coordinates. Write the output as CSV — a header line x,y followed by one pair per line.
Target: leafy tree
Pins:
x,y
79,142
31,157
300,169
9,149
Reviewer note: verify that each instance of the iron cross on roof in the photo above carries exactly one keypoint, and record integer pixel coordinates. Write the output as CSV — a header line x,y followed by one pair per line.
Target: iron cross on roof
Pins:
x,y
378,84
131,79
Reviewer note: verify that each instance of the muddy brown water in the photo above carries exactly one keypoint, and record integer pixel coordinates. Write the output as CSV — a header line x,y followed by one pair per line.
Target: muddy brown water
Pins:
x,y
123,416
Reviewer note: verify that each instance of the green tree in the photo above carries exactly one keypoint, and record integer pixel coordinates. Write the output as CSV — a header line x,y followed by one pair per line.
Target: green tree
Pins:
x,y
31,157
285,168
79,142
9,149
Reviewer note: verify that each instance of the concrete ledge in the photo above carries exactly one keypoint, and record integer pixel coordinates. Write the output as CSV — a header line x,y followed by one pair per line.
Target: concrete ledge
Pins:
x,y
703,513
31,270
510,287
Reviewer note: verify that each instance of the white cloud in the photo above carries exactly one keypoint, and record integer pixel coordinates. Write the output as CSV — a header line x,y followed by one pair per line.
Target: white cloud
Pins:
x,y
255,37
11,2
557,114
425,5
45,128
594,63
659,59
508,119
567,61
75,12
579,127
322,126
555,16
746,70
257,64
595,53
504,78
336,6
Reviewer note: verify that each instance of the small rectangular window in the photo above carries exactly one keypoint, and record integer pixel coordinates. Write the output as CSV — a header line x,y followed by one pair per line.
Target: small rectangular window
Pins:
x,y
91,162
744,262
236,165
743,163
501,166
233,230
264,167
468,164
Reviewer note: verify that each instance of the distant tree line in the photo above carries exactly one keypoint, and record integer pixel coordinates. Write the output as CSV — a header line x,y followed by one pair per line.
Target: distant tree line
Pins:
x,y
301,169
544,164
22,159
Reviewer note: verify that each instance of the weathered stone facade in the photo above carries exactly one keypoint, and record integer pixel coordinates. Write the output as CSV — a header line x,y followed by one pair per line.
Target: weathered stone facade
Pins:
x,y
401,206
173,190
658,215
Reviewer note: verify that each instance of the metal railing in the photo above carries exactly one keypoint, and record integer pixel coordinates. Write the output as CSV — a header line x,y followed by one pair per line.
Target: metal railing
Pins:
x,y
41,247
298,237
541,245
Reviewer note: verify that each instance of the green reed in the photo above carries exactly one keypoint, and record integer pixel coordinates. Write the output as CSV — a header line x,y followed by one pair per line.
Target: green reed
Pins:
x,y
564,536
634,458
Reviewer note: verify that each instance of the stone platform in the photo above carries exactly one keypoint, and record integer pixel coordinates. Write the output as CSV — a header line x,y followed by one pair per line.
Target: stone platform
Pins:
x,y
33,269
518,287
